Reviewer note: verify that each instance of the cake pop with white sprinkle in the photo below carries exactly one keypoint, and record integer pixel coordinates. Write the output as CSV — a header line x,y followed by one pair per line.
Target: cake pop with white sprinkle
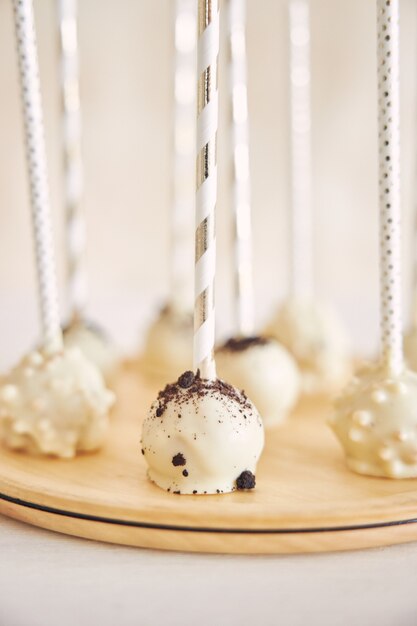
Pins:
x,y
375,419
91,340
54,402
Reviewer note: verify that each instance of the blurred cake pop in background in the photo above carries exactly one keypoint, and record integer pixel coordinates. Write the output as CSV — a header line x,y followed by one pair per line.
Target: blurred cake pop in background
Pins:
x,y
168,342
90,339
308,328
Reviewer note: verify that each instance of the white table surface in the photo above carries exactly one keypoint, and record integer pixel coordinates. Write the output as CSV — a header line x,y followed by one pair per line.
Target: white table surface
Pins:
x,y
50,579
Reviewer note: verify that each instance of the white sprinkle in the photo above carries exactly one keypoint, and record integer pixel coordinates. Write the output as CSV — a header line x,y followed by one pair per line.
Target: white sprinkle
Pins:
x,y
385,454
363,418
355,434
9,393
379,396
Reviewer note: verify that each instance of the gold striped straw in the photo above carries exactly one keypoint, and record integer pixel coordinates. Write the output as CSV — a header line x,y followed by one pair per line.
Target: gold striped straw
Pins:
x,y
205,236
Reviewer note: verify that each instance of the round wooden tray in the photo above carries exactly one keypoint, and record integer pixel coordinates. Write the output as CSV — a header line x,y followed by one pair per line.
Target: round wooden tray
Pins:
x,y
305,500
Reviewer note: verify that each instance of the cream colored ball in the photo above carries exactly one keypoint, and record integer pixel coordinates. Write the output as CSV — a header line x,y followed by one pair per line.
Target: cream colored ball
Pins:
x,y
317,340
375,420
265,371
94,345
168,347
54,405
202,437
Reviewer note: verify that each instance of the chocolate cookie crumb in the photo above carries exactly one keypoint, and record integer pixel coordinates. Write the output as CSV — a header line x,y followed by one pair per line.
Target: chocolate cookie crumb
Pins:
x,y
143,451
186,379
195,491
246,480
184,473
238,344
178,459
159,411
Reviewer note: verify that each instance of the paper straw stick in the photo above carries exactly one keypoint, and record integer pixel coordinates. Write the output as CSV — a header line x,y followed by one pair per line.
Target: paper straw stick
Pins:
x,y
301,239
205,242
389,184
73,168
37,172
183,183
240,166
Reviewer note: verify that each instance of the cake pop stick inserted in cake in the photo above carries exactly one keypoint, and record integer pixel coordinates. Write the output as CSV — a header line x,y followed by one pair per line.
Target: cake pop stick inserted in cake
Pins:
x,y
205,242
301,240
242,227
183,189
73,169
36,161
389,185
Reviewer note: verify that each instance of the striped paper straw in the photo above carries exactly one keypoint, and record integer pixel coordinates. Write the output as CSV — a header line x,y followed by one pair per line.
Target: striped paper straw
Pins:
x,y
389,184
73,168
205,237
37,172
240,166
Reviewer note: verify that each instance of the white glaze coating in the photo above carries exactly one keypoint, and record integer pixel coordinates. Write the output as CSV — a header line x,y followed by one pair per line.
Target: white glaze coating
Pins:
x,y
268,374
218,436
95,346
169,344
54,405
375,420
317,340
410,348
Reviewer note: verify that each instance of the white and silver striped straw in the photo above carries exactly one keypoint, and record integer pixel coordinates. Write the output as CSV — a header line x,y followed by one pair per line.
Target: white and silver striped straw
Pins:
x,y
236,13
37,172
301,239
184,142
389,184
206,197
73,167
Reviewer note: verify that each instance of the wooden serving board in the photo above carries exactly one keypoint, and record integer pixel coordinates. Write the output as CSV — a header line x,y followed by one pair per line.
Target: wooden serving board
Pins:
x,y
306,500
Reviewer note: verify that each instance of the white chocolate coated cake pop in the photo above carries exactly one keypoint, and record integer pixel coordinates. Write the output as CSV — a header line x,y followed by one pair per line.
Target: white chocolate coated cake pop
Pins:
x,y
375,420
202,437
94,344
169,344
54,405
265,370
315,337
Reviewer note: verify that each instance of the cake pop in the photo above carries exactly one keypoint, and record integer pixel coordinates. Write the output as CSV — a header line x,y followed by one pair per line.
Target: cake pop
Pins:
x,y
54,402
375,419
202,436
259,365
308,328
314,336
265,370
168,344
95,344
